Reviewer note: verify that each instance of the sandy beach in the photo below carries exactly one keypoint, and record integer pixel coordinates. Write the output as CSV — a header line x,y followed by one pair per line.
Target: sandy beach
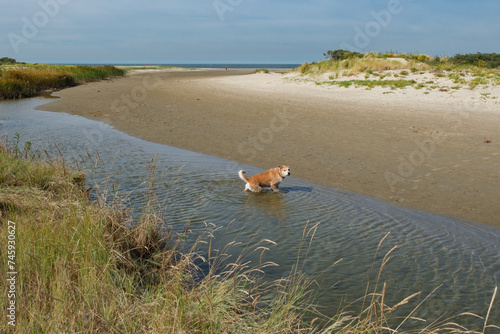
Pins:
x,y
437,151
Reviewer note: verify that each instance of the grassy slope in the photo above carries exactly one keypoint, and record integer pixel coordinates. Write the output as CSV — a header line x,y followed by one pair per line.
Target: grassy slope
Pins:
x,y
31,80
377,68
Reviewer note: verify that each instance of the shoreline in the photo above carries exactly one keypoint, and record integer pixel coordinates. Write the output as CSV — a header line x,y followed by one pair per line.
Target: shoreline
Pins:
x,y
427,153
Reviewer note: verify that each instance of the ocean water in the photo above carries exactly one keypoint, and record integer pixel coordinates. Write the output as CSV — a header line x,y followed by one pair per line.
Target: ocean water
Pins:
x,y
208,65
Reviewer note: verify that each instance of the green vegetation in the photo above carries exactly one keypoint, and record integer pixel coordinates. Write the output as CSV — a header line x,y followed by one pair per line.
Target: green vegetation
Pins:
x,y
82,268
349,67
18,81
488,60
7,61
393,84
478,81
342,55
470,70
31,82
261,70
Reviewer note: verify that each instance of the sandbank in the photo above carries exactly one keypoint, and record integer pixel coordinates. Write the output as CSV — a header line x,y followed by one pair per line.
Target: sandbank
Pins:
x,y
437,152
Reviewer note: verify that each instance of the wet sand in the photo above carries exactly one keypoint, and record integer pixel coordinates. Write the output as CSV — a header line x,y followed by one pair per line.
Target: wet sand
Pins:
x,y
426,153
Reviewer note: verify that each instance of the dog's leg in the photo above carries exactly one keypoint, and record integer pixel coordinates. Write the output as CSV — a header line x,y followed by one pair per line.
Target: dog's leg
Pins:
x,y
274,187
254,187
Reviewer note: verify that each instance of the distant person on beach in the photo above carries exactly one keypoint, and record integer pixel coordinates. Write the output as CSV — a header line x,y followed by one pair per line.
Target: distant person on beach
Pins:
x,y
226,67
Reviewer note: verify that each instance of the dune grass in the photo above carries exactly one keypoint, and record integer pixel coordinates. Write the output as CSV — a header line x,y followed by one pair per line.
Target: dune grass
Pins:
x,y
380,67
369,84
354,66
18,81
84,267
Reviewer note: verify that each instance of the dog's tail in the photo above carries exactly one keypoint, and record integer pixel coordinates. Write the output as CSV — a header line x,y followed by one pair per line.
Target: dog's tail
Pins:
x,y
243,177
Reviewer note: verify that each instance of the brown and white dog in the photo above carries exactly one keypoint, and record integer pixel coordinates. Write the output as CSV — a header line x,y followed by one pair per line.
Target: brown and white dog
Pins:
x,y
270,178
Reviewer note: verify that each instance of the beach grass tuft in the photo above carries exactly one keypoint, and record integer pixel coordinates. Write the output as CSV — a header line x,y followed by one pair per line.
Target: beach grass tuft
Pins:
x,y
369,84
261,70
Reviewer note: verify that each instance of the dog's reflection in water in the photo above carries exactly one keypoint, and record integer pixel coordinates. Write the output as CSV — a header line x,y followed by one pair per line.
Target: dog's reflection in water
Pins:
x,y
268,203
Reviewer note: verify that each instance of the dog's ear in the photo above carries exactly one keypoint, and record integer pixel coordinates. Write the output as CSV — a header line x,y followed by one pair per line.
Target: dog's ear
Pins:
x,y
280,167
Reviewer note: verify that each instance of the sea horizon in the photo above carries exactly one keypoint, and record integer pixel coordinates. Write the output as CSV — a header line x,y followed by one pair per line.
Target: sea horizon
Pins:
x,y
194,65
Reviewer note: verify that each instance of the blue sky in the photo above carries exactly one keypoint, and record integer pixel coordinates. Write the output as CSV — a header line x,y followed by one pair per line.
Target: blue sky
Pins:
x,y
240,31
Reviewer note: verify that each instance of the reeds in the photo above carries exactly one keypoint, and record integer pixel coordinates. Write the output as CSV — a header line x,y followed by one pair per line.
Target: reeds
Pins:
x,y
376,316
32,80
